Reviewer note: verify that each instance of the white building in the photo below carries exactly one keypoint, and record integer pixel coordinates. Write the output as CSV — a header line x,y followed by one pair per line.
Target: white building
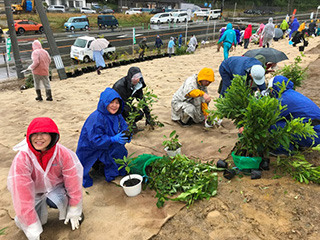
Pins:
x,y
68,3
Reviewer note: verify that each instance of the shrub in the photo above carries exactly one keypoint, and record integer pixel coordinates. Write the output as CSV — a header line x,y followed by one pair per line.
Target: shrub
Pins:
x,y
293,72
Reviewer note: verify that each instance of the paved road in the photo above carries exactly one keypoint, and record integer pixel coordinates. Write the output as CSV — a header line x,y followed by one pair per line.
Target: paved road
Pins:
x,y
122,38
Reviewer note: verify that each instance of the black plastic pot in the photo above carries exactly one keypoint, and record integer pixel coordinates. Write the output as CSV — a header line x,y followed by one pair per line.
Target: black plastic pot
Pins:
x,y
110,65
256,174
301,48
222,164
305,43
229,173
69,74
91,69
77,73
264,165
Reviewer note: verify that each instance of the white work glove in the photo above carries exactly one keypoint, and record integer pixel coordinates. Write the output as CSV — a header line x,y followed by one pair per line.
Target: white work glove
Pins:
x,y
265,92
74,215
33,231
29,68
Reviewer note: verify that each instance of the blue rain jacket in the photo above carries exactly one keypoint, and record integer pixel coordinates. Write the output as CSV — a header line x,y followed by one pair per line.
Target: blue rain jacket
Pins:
x,y
94,142
294,26
298,105
236,66
228,38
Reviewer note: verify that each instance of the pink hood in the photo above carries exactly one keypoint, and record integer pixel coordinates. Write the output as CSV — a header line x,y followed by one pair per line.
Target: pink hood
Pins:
x,y
41,59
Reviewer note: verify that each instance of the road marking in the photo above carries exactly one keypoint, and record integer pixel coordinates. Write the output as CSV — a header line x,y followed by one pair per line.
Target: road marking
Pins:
x,y
123,36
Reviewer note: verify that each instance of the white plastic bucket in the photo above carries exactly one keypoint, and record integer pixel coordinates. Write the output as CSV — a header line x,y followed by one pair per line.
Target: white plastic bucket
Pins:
x,y
133,190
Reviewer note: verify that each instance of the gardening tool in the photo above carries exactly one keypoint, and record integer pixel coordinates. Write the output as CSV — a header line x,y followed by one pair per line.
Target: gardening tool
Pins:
x,y
26,70
271,54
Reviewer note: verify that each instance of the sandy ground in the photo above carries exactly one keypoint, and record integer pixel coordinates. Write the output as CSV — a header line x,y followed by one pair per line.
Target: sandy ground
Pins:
x,y
243,208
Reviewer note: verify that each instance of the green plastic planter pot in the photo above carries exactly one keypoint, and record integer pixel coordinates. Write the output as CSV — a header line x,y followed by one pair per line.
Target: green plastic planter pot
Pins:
x,y
246,162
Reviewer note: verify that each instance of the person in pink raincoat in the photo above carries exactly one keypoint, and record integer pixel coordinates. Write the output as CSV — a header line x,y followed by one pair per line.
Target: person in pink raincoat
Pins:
x,y
44,173
259,32
40,70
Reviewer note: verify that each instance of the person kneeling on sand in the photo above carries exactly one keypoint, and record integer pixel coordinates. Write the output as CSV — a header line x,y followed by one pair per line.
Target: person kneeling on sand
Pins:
x,y
103,139
252,68
297,106
129,88
190,102
44,173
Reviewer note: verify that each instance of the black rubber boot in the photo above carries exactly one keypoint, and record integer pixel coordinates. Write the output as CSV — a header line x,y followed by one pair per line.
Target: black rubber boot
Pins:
x,y
49,95
39,97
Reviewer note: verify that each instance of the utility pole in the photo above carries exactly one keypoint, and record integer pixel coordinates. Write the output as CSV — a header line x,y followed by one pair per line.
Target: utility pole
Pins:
x,y
13,37
52,43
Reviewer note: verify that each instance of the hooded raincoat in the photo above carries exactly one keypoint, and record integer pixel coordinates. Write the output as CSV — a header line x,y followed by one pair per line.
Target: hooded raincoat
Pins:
x,y
95,139
35,176
294,26
228,38
259,32
183,105
236,66
298,105
180,40
171,45
126,90
284,26
40,60
192,44
268,33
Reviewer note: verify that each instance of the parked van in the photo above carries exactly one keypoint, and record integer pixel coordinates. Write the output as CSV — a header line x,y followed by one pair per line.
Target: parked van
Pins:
x,y
73,23
56,8
180,17
107,20
80,50
161,18
215,14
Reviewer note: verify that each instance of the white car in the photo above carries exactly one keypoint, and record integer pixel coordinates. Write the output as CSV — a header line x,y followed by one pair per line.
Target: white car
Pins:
x,y
134,11
56,8
180,17
215,14
202,12
161,18
87,10
80,50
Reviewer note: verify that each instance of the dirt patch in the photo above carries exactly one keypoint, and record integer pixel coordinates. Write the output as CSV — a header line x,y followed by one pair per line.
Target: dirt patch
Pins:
x,y
268,208
11,85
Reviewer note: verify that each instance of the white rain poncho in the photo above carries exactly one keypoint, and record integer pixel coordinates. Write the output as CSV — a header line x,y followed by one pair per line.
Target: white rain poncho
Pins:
x,y
30,185
183,105
268,32
192,44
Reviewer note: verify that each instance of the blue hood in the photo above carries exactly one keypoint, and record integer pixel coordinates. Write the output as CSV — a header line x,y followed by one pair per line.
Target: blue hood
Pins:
x,y
229,26
106,97
279,81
